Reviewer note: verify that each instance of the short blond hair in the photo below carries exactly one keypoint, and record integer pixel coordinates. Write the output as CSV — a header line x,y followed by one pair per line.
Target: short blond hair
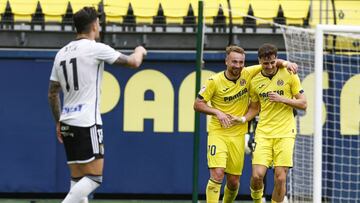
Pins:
x,y
234,48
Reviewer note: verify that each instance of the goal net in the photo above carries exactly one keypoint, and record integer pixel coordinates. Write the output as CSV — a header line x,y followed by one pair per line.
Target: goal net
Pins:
x,y
327,150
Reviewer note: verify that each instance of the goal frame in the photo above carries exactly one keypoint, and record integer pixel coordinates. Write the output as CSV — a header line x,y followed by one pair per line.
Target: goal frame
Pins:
x,y
318,134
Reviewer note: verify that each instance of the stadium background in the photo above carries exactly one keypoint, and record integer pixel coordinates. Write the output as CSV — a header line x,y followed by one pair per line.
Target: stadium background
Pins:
x,y
147,114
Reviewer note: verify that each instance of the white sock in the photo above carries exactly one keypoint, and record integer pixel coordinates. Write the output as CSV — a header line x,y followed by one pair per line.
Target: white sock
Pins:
x,y
80,190
83,200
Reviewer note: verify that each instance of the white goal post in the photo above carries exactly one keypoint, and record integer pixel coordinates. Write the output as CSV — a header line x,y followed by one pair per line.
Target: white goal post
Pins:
x,y
326,158
319,41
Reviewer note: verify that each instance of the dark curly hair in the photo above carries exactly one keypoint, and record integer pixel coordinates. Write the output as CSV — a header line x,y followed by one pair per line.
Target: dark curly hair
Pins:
x,y
84,18
267,50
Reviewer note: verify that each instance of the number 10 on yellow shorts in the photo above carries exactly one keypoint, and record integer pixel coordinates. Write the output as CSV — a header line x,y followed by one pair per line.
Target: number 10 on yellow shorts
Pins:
x,y
226,152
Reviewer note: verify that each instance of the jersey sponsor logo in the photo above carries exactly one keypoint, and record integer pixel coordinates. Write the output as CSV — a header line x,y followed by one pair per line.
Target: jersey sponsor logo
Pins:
x,y
64,129
280,82
67,134
236,96
72,109
242,82
266,94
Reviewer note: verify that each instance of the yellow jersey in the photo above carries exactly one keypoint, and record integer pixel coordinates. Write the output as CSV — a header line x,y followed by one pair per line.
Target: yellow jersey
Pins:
x,y
230,97
276,120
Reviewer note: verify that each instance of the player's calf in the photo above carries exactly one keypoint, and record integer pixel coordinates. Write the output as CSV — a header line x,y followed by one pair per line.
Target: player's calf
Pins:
x,y
257,195
213,191
257,187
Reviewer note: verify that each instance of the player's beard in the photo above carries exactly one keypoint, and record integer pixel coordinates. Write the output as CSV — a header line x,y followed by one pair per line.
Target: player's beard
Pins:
x,y
235,72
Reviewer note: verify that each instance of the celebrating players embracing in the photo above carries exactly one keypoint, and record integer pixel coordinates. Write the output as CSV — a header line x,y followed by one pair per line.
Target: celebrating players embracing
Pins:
x,y
228,93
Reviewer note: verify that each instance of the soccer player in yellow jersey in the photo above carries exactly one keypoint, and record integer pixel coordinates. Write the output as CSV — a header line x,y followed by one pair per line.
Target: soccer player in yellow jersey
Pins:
x,y
276,92
227,92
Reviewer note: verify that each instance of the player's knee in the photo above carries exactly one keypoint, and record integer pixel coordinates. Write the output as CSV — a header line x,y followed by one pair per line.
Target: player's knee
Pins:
x,y
257,178
233,182
217,174
280,179
96,178
217,178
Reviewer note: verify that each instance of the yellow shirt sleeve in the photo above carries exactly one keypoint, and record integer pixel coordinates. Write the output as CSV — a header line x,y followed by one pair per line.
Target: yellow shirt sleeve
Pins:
x,y
253,70
296,87
208,89
253,96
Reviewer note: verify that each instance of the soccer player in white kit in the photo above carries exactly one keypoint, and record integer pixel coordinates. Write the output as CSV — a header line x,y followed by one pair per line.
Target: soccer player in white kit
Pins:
x,y
77,71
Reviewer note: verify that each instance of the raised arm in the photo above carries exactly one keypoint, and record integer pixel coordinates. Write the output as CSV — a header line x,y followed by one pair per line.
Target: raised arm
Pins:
x,y
133,60
291,67
280,63
55,105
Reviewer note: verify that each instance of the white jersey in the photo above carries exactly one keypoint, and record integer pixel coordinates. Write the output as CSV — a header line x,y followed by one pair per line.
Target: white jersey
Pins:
x,y
79,67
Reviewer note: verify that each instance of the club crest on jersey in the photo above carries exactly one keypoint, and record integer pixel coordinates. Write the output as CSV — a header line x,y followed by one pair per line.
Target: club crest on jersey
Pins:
x,y
242,82
280,82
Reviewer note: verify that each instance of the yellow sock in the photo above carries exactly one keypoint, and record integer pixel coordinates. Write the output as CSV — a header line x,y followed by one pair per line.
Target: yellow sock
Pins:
x,y
273,201
256,195
229,195
213,191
